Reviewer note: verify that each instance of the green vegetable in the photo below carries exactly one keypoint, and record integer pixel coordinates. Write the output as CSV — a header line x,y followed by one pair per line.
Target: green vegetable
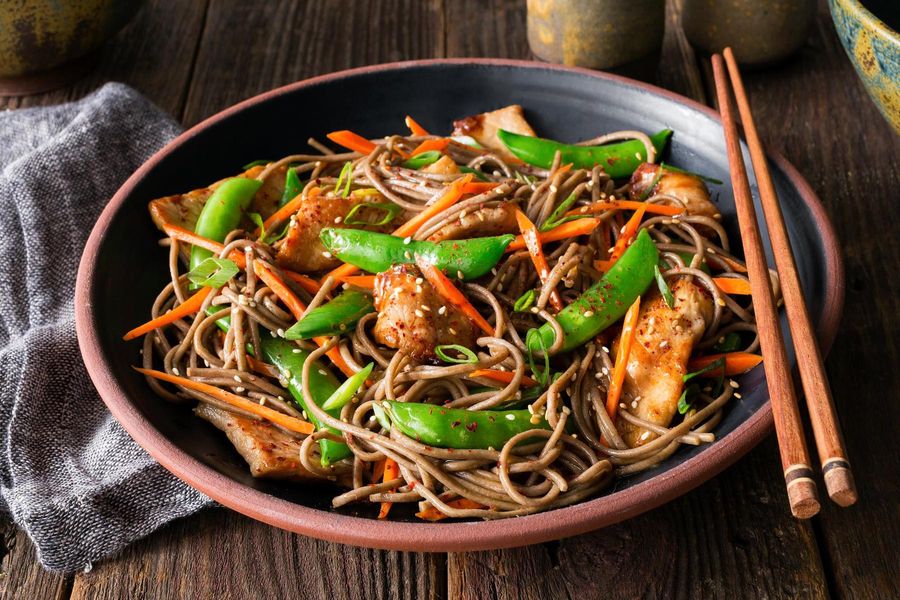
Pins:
x,y
457,427
557,217
348,389
690,391
618,160
606,301
332,318
730,343
687,257
659,173
469,357
525,301
222,213
663,287
213,272
376,252
391,211
423,159
719,363
292,187
255,163
346,177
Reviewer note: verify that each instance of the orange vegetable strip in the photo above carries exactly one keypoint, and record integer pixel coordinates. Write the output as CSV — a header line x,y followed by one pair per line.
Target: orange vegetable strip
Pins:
x,y
450,197
439,144
501,376
433,514
562,232
415,128
352,141
391,471
479,187
287,210
378,470
307,283
188,307
445,288
732,285
342,272
533,243
628,232
598,207
603,265
262,367
625,343
189,237
288,422
738,267
735,363
362,281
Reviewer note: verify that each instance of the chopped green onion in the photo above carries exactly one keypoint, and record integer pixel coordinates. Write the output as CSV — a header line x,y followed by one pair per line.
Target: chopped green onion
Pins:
x,y
256,163
348,389
663,287
478,174
523,178
542,377
687,398
213,272
525,301
719,363
730,343
391,212
659,173
423,160
258,221
703,177
557,217
441,351
382,417
346,173
292,187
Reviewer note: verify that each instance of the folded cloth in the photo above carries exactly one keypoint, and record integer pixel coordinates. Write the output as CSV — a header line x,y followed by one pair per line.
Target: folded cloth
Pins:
x,y
69,474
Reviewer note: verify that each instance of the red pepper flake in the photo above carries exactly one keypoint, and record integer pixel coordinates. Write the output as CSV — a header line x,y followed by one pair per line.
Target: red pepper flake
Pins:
x,y
455,424
472,426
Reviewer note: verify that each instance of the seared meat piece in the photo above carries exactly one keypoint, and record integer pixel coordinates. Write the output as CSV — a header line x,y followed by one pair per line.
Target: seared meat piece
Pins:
x,y
302,250
664,339
688,188
183,210
483,222
442,166
483,127
269,451
414,318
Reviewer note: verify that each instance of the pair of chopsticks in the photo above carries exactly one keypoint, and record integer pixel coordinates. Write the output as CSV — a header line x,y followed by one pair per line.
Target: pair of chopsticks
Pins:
x,y
798,475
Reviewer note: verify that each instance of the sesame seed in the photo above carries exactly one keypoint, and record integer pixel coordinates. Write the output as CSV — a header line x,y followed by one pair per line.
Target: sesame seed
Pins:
x,y
239,390
407,255
327,254
598,375
407,239
462,214
634,404
499,287
711,250
280,332
442,310
323,372
175,370
418,289
287,373
605,349
511,417
588,314
280,398
452,331
733,384
553,189
622,405
459,275
720,302
645,435
338,219
425,308
605,370
664,344
238,379
296,350
738,396
419,313
419,281
262,401
638,156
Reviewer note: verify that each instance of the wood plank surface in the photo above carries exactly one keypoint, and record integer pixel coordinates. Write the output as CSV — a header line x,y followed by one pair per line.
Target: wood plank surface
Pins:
x,y
732,537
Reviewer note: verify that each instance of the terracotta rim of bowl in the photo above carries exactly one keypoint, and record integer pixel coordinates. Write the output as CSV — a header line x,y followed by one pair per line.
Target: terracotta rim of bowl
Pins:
x,y
434,537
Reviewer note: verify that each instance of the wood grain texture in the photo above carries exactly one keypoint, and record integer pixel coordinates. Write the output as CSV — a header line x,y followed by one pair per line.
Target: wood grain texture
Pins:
x,y
154,54
221,554
21,576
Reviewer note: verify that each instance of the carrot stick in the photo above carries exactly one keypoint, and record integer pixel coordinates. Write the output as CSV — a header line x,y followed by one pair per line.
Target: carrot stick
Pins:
x,y
439,144
188,307
738,267
628,232
351,141
445,288
601,206
732,285
501,376
603,265
288,209
415,128
307,283
621,366
564,231
433,514
533,243
735,363
450,197
362,281
286,421
391,471
378,470
479,187
262,367
342,272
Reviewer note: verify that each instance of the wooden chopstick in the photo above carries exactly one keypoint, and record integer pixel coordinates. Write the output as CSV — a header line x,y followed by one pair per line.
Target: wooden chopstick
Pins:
x,y
798,476
826,429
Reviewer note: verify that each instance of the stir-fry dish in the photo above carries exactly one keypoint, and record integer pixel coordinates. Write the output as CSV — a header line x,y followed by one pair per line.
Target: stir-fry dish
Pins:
x,y
480,325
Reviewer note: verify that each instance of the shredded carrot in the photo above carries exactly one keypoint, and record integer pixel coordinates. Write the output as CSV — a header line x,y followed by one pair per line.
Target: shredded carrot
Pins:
x,y
598,207
735,363
625,343
189,237
502,376
562,232
733,285
307,283
391,471
439,145
361,281
445,288
378,470
479,187
433,514
415,128
188,307
628,233
342,272
603,265
288,209
262,367
732,263
351,141
533,243
288,422
448,198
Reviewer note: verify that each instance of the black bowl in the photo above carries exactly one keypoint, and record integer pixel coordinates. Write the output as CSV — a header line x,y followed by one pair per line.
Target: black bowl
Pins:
x,y
123,267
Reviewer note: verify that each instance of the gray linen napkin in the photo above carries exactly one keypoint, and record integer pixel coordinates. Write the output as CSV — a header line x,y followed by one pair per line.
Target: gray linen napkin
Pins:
x,y
69,474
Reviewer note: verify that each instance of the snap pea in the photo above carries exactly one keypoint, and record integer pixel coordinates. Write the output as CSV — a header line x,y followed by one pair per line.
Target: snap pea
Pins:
x,y
618,160
222,213
332,318
423,159
292,187
376,252
458,428
606,301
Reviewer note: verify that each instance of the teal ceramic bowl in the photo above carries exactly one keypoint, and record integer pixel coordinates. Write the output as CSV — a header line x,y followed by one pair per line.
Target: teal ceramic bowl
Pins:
x,y
874,49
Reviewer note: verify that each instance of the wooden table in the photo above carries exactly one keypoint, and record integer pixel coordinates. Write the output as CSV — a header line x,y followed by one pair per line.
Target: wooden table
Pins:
x,y
733,536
